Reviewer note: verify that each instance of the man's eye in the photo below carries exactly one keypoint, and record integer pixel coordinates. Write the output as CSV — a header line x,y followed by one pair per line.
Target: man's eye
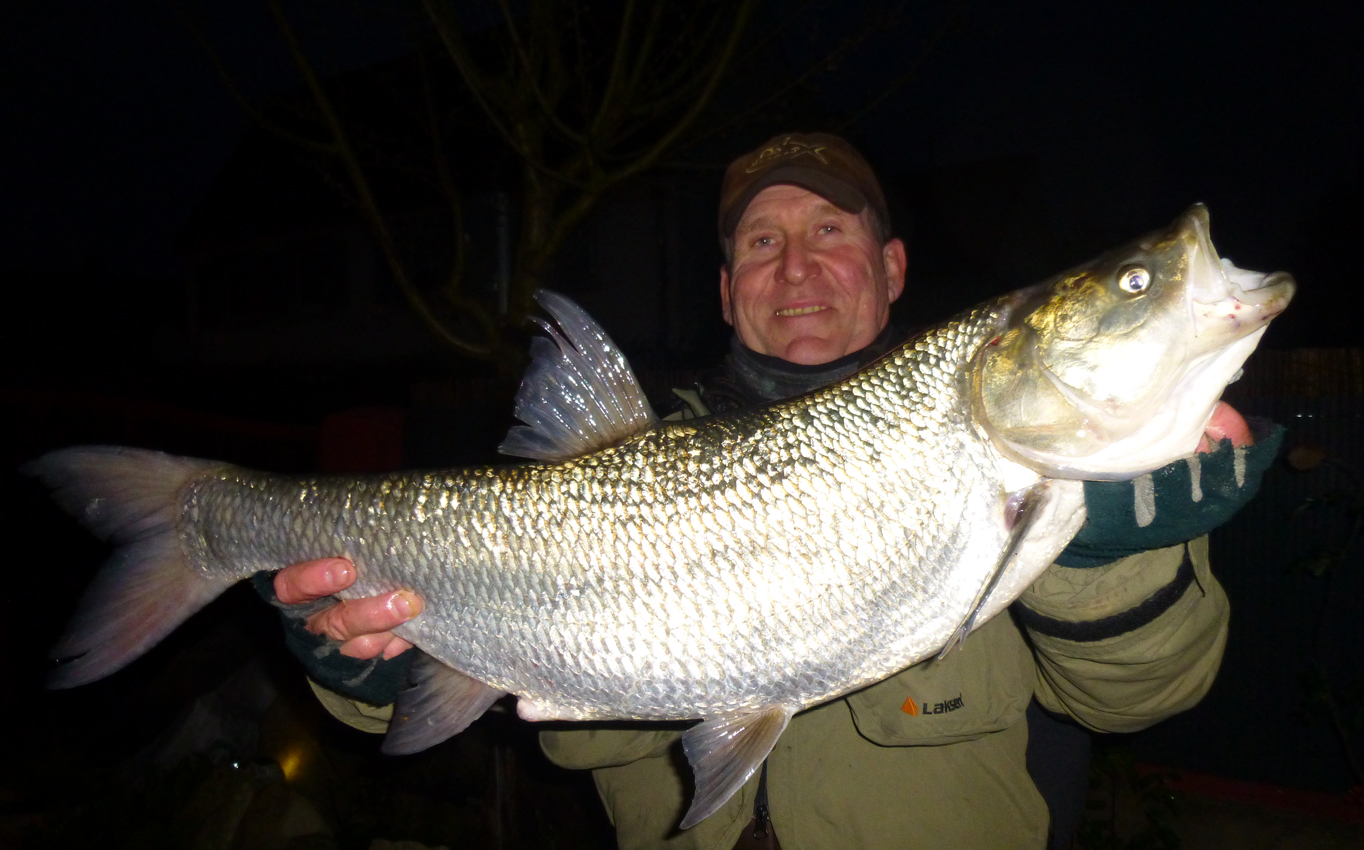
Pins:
x,y
762,241
829,228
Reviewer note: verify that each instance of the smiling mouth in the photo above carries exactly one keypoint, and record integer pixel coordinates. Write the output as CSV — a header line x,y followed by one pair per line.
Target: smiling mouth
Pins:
x,y
800,311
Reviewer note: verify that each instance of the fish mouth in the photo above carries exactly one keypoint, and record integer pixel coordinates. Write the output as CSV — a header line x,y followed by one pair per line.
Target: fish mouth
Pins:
x,y
1225,300
1229,308
800,311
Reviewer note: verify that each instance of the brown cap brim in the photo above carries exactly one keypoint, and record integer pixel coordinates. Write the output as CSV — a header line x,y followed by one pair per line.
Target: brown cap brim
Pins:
x,y
819,162
827,186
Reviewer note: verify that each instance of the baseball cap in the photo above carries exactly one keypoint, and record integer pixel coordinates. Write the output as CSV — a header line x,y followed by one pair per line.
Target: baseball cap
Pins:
x,y
820,162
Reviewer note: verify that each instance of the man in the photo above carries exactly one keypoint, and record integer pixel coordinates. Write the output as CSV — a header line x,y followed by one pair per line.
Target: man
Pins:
x,y
1118,636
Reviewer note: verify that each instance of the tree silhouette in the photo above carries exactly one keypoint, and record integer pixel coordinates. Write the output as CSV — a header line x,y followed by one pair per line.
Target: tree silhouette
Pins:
x,y
582,100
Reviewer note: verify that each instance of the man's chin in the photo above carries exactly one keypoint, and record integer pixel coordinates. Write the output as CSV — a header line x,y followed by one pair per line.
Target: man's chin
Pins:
x,y
811,351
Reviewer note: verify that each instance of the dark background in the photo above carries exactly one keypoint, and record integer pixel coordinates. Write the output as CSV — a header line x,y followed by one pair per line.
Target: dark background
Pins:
x,y
1115,117
1031,137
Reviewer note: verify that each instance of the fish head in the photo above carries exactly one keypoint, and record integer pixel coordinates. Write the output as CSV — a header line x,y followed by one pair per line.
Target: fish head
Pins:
x,y
1113,369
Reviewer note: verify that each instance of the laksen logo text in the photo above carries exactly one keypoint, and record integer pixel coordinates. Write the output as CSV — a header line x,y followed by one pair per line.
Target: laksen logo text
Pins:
x,y
914,708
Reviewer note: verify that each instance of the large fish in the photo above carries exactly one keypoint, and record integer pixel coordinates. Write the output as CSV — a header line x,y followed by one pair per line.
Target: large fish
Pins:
x,y
735,569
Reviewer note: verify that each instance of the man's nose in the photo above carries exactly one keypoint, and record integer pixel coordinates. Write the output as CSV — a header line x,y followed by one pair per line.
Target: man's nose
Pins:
x,y
797,263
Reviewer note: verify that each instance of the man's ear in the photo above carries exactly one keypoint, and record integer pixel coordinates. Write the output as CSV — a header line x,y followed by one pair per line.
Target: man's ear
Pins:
x,y
896,258
725,309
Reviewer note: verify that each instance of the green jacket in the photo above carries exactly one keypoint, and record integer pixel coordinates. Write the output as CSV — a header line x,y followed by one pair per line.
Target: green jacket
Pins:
x,y
935,755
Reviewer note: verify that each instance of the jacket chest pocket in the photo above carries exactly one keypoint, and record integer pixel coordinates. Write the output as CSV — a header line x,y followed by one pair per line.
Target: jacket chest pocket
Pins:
x,y
982,686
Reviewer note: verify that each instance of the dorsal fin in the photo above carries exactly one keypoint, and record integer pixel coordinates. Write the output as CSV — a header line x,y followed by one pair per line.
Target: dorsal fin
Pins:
x,y
579,393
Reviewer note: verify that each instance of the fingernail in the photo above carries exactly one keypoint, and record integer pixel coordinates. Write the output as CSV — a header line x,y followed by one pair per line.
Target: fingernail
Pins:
x,y
407,604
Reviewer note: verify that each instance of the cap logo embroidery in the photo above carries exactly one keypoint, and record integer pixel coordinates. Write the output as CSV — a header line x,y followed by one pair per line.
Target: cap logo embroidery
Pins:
x,y
788,148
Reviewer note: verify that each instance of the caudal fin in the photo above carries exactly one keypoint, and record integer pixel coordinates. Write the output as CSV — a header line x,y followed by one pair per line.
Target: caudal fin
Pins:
x,y
130,497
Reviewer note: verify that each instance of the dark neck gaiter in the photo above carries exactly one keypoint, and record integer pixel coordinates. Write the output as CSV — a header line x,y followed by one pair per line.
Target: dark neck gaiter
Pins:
x,y
747,378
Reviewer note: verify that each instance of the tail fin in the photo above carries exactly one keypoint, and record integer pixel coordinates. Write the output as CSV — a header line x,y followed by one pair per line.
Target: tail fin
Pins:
x,y
130,497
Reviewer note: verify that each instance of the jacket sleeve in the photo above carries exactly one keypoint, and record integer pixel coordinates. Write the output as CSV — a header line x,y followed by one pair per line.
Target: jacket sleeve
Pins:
x,y
578,748
592,747
1125,645
1129,624
355,713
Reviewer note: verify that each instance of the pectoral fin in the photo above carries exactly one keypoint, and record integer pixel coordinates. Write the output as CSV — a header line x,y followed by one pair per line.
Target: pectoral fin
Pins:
x,y
441,702
724,752
1021,509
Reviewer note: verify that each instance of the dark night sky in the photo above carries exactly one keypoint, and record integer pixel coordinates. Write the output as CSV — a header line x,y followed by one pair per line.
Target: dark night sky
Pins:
x,y
1134,110
115,123
1137,109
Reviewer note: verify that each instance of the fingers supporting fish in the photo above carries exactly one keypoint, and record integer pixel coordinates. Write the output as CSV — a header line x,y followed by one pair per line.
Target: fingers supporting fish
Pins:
x,y
366,647
372,616
1225,424
311,580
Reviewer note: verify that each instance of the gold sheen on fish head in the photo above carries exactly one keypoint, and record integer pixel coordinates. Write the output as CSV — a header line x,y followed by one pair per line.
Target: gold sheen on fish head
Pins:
x,y
1113,368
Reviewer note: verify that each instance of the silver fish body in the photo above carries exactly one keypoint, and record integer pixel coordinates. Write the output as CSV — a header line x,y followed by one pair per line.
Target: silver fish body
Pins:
x,y
735,569
777,557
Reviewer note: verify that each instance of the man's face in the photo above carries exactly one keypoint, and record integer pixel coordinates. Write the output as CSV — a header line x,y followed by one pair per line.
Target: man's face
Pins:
x,y
809,281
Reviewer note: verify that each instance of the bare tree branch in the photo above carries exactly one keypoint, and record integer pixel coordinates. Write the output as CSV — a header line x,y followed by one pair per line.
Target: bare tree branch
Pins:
x,y
588,197
646,47
357,176
690,70
618,63
534,85
446,180
650,158
230,83
578,122
474,78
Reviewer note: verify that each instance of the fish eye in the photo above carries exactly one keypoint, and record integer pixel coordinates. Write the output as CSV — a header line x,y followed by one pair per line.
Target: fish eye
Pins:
x,y
1134,279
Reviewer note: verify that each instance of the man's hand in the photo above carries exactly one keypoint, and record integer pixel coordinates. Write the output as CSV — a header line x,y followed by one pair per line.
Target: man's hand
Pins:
x,y
362,624
1226,424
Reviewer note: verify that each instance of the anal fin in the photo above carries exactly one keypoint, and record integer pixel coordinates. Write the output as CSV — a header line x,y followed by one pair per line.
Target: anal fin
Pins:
x,y
725,751
441,703
1021,509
